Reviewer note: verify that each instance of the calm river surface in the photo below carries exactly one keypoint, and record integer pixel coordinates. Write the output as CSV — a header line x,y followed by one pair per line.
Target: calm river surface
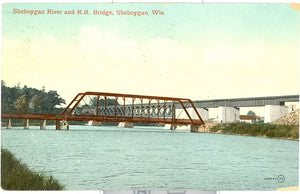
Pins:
x,y
152,158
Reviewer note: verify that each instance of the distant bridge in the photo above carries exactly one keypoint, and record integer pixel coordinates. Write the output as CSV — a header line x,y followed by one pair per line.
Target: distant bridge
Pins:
x,y
229,109
247,102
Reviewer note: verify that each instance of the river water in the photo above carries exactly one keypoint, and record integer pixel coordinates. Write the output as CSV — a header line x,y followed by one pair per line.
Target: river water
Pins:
x,y
153,158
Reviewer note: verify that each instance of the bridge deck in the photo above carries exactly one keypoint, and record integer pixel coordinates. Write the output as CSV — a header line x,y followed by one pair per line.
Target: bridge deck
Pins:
x,y
101,118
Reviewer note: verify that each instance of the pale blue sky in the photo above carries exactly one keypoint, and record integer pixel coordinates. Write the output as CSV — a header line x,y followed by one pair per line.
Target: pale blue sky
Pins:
x,y
196,51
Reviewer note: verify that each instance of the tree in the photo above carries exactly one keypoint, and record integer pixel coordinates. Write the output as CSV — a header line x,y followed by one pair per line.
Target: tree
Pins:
x,y
93,101
29,92
109,102
51,100
251,113
22,105
43,102
38,101
8,98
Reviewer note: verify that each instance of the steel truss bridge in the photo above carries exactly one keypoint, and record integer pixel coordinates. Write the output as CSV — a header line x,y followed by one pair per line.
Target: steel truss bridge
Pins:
x,y
115,107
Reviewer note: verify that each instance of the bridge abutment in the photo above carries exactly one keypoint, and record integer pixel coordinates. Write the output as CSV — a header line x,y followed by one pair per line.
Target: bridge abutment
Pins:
x,y
274,112
200,128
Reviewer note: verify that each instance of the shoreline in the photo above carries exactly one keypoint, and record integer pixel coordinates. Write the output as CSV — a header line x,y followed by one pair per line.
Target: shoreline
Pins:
x,y
289,138
272,131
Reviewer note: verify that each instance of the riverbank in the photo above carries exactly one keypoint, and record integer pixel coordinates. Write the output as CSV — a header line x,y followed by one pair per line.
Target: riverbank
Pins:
x,y
16,176
290,132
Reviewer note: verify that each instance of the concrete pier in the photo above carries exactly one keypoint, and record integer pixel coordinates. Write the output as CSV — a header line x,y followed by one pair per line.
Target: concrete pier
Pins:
x,y
8,124
194,128
274,112
61,125
26,124
64,125
57,125
173,127
43,125
94,123
228,114
125,124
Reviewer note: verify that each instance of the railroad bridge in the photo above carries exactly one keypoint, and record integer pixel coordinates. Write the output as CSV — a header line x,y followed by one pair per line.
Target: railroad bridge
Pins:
x,y
247,102
115,107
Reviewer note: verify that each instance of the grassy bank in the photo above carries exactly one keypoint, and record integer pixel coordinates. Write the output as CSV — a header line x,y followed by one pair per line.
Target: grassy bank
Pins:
x,y
258,130
16,176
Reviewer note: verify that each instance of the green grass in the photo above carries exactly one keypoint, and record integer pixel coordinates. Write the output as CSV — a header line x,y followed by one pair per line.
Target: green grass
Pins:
x,y
16,176
261,130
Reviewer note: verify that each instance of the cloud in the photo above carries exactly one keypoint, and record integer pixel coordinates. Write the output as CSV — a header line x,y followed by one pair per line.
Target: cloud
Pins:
x,y
102,60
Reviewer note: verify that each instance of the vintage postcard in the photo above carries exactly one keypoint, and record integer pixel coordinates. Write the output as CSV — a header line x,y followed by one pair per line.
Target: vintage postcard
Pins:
x,y
150,97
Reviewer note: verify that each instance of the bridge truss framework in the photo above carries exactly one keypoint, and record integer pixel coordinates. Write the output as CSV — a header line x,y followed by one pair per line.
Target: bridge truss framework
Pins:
x,y
115,107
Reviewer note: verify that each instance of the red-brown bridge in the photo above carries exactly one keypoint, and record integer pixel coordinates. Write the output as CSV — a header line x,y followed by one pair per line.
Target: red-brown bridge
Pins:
x,y
114,107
